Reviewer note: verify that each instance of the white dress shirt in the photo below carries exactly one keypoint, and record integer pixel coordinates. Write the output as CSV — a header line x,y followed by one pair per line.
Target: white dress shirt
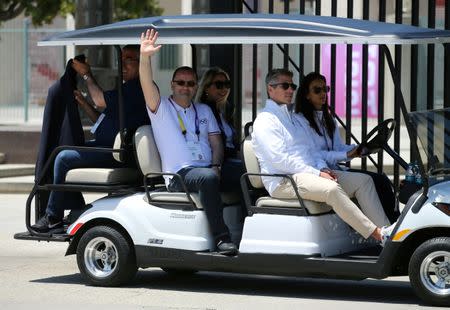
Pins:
x,y
281,146
332,150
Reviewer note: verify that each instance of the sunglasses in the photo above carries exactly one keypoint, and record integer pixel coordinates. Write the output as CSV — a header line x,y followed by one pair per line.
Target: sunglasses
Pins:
x,y
185,83
317,90
285,85
222,84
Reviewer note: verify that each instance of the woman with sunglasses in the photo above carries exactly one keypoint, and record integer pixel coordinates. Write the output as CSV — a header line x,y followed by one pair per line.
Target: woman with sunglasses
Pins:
x,y
214,89
311,103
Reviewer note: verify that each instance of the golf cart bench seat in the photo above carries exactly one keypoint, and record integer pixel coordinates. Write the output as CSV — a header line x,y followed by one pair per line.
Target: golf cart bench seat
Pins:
x,y
149,162
104,176
252,166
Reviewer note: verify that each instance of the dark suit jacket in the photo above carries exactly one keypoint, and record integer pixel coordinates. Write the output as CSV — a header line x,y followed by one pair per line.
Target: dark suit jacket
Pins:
x,y
61,124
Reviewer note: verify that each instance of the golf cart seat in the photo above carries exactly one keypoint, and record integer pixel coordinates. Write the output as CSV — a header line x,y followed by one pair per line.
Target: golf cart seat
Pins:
x,y
105,176
149,162
252,167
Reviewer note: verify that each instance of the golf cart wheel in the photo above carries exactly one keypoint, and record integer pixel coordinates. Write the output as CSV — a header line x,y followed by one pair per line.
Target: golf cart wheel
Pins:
x,y
429,271
105,257
179,272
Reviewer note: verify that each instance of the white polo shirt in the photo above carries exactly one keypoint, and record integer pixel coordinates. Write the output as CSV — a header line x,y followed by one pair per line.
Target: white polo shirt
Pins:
x,y
172,144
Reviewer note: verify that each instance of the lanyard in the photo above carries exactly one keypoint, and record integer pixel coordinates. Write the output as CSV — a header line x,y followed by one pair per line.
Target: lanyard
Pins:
x,y
180,121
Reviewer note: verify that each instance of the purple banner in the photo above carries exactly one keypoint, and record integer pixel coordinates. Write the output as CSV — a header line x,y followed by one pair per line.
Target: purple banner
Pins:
x,y
372,82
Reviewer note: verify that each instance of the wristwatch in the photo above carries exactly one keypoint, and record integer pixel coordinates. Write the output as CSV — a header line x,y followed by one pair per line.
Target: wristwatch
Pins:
x,y
86,76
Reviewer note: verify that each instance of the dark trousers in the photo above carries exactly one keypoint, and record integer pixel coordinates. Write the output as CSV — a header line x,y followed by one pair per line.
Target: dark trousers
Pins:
x,y
385,192
206,183
230,179
71,159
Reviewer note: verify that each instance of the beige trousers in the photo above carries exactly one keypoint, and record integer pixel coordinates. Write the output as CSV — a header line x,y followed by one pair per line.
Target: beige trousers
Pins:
x,y
338,194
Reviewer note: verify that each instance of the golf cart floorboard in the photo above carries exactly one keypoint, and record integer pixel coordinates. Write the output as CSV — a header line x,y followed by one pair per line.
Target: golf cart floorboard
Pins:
x,y
365,255
42,237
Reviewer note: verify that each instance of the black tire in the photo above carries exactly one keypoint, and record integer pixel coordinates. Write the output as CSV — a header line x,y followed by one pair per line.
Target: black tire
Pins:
x,y
105,257
429,271
179,272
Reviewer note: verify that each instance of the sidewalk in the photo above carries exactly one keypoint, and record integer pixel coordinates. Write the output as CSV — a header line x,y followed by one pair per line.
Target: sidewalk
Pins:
x,y
16,178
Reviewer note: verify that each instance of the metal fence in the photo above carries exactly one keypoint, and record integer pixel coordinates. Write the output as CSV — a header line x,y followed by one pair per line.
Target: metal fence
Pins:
x,y
27,72
360,69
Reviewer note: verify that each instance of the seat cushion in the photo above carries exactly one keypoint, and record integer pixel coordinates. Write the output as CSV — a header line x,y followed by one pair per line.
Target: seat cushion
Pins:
x,y
313,207
104,176
227,198
175,197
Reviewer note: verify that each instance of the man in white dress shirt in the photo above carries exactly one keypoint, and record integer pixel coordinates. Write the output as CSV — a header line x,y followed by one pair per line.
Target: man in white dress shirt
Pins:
x,y
281,146
188,139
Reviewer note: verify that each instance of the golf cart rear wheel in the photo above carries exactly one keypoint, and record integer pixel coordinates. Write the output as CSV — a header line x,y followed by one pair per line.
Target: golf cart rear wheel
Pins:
x,y
429,271
105,257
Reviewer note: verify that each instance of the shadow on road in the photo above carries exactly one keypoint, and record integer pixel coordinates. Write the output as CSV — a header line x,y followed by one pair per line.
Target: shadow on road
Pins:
x,y
393,292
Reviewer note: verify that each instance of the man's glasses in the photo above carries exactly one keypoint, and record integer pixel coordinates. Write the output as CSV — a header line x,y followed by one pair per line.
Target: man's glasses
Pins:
x,y
285,85
317,90
222,84
185,83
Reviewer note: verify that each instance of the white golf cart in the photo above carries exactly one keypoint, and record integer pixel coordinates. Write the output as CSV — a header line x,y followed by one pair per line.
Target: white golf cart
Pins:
x,y
146,226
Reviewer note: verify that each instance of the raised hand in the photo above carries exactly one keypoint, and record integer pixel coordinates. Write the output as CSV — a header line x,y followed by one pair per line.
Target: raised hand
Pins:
x,y
81,68
148,39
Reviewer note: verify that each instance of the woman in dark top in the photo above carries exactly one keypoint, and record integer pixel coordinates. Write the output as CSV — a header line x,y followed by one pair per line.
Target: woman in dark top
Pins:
x,y
214,89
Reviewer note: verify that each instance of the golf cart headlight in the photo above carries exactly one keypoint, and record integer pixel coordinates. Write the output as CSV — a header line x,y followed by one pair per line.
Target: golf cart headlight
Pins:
x,y
444,207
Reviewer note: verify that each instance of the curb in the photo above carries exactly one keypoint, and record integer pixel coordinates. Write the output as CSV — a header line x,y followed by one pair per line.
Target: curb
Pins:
x,y
16,172
15,188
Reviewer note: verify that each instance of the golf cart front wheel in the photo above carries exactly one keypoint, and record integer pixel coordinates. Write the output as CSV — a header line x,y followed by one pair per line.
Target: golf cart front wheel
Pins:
x,y
429,271
105,257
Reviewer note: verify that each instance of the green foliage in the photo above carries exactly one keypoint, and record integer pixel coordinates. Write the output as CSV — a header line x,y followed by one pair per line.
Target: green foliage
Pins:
x,y
126,9
44,11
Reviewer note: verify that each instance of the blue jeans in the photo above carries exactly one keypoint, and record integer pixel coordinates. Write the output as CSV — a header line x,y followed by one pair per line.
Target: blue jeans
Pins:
x,y
206,183
71,159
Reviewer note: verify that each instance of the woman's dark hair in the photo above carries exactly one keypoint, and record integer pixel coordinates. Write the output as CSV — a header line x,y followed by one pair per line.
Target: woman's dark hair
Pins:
x,y
303,105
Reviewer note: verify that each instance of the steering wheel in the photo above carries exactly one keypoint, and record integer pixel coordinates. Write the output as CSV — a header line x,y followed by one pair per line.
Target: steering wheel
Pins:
x,y
377,138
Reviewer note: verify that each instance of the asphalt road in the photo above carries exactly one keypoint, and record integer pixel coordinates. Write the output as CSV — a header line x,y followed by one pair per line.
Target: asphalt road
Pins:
x,y
37,275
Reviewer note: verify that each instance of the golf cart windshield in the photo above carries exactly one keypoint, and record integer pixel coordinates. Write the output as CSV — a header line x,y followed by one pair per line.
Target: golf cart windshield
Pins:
x,y
433,132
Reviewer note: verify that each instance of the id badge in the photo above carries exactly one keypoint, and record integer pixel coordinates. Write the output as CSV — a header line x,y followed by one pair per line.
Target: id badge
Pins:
x,y
195,150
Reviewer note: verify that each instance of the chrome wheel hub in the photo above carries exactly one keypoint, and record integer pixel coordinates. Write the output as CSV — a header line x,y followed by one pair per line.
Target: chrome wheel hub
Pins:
x,y
100,257
435,272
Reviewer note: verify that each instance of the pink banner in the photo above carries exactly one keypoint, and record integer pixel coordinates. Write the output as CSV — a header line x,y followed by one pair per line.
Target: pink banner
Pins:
x,y
372,76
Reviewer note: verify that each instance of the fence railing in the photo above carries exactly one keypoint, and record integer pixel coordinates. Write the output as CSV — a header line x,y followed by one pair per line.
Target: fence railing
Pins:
x,y
369,97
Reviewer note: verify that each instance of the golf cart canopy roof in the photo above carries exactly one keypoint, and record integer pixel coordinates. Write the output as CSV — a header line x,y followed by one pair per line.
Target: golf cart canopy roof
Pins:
x,y
251,29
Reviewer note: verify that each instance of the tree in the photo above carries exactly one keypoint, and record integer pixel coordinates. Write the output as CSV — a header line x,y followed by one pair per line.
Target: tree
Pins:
x,y
44,11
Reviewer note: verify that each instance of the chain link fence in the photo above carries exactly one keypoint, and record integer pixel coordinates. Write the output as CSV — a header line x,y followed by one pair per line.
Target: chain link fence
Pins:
x,y
27,70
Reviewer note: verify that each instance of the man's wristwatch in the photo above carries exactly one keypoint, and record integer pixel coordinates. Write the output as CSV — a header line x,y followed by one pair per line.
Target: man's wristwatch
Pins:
x,y
86,76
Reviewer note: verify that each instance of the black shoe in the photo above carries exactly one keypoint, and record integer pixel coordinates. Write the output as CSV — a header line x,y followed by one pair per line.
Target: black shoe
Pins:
x,y
227,248
48,224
